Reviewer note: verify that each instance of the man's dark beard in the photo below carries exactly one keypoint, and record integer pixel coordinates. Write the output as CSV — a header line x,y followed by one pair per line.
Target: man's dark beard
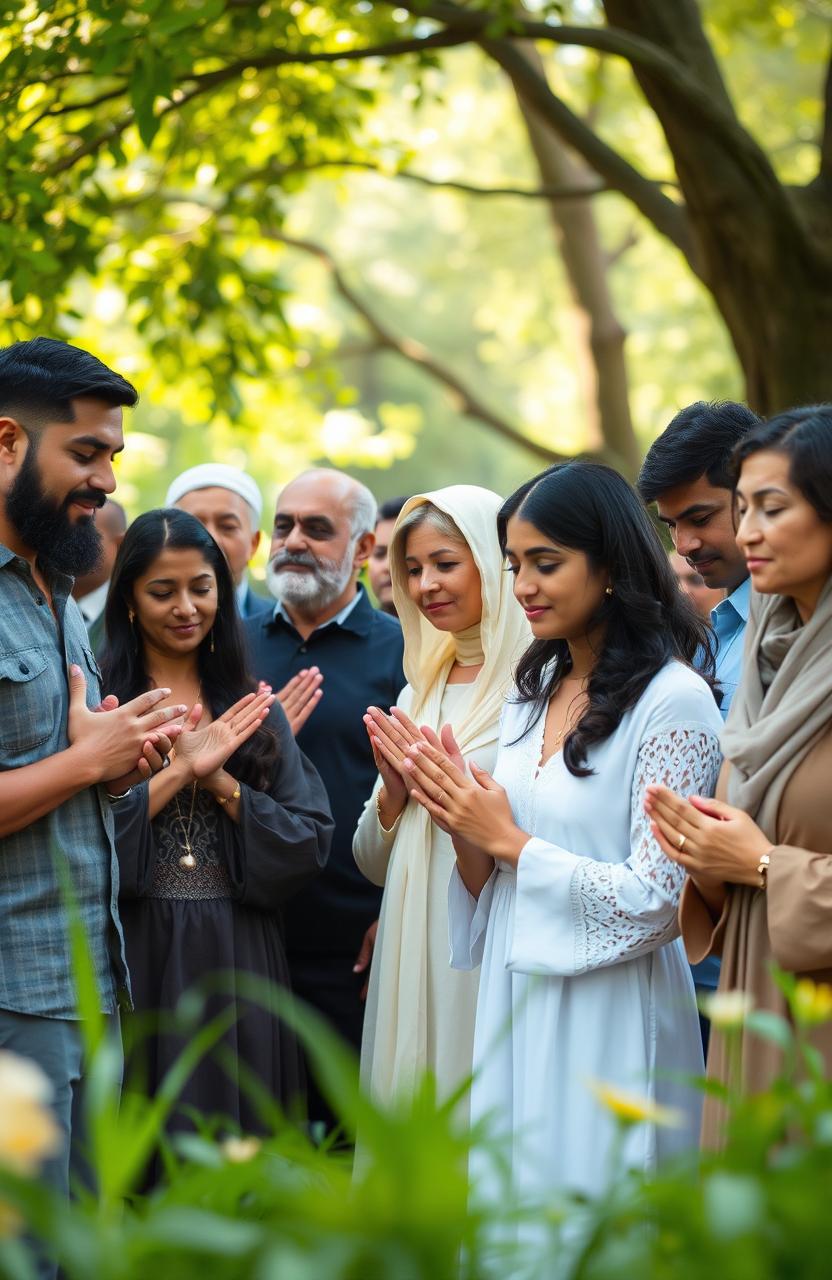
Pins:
x,y
44,526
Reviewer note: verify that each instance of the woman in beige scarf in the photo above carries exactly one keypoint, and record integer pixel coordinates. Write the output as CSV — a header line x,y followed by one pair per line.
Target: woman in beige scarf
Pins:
x,y
759,890
463,631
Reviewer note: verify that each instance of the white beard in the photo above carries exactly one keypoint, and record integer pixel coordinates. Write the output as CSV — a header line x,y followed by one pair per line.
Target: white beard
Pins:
x,y
316,587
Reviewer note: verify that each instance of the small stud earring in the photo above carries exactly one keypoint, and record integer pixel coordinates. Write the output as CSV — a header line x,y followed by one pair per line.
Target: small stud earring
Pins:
x,y
608,591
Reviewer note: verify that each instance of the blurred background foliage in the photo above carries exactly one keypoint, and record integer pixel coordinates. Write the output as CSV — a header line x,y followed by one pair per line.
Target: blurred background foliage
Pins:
x,y
275,257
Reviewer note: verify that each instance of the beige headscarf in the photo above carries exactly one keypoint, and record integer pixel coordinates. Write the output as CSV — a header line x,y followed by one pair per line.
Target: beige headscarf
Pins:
x,y
783,703
396,1002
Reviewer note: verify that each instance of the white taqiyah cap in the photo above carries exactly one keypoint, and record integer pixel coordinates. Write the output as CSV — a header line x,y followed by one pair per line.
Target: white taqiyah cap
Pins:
x,y
216,475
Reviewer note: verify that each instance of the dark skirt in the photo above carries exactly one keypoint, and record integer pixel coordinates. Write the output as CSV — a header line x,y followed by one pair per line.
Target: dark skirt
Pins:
x,y
175,946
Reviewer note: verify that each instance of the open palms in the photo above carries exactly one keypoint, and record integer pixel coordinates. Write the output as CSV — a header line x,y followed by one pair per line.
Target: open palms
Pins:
x,y
206,750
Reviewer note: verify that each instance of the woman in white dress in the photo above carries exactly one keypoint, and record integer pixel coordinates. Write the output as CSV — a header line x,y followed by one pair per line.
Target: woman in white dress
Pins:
x,y
560,892
462,633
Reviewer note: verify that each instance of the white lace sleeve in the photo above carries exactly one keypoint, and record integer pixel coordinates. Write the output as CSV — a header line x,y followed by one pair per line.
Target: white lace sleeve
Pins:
x,y
600,913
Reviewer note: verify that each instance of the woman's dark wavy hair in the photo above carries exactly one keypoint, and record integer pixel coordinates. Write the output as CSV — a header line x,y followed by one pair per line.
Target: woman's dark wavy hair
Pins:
x,y
647,620
223,673
804,436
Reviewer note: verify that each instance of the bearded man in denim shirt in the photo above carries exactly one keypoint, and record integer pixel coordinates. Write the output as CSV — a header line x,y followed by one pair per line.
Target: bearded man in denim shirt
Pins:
x,y
64,754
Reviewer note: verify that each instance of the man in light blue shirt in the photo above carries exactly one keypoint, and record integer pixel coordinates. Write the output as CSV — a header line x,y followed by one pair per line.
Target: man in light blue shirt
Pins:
x,y
728,620
687,474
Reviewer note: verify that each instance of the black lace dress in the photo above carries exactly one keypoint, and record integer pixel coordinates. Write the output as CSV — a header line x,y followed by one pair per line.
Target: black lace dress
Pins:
x,y
182,927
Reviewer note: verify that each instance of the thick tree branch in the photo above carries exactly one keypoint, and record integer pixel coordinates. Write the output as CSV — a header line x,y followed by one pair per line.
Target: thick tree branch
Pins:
x,y
666,216
444,39
640,53
466,401
718,167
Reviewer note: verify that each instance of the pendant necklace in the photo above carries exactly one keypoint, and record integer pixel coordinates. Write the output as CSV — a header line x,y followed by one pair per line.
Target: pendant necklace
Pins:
x,y
187,860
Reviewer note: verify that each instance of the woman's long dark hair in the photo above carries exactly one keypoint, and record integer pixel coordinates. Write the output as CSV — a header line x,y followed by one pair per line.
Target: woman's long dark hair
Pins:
x,y
223,673
647,620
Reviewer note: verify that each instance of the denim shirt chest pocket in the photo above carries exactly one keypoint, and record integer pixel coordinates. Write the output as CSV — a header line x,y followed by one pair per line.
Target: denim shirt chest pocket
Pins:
x,y
31,704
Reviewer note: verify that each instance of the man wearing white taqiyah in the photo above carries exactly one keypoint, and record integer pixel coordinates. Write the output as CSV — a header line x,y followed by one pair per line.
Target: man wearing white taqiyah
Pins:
x,y
229,504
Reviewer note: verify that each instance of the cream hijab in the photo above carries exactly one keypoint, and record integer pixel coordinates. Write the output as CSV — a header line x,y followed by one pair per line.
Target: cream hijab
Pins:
x,y
504,632
395,1050
783,703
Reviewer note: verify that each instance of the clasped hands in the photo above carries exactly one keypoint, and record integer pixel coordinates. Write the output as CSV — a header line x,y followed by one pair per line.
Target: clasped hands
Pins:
x,y
465,802
715,843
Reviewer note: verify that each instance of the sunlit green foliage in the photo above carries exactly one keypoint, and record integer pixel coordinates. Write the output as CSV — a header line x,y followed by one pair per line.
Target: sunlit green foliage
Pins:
x,y
154,153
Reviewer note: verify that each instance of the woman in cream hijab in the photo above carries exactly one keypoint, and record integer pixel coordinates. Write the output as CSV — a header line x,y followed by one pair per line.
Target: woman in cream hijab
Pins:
x,y
759,887
463,632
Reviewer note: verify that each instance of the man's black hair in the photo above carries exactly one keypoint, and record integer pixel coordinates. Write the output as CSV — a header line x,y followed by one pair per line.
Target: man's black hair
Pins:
x,y
699,441
40,378
390,509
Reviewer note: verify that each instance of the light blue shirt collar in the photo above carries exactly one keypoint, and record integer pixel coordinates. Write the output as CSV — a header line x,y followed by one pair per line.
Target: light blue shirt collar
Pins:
x,y
729,619
739,600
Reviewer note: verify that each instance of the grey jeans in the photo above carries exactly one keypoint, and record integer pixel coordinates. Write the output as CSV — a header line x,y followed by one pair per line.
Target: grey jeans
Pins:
x,y
55,1044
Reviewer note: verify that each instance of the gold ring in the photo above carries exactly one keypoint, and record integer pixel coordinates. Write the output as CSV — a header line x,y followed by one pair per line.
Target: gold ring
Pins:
x,y
441,798
681,842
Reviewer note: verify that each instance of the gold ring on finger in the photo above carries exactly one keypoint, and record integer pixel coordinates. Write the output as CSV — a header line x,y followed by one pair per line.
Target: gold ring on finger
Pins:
x,y
681,841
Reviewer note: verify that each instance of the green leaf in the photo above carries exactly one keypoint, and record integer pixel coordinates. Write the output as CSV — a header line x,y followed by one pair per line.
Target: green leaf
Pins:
x,y
203,1232
770,1026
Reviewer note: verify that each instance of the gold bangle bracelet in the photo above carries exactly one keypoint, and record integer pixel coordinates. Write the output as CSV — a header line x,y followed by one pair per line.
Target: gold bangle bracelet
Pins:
x,y
235,795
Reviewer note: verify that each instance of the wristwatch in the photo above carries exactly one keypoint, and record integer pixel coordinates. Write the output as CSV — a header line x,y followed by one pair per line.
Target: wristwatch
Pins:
x,y
762,870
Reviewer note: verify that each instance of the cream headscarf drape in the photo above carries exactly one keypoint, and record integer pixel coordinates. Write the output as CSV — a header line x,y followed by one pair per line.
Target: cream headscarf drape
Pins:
x,y
395,1048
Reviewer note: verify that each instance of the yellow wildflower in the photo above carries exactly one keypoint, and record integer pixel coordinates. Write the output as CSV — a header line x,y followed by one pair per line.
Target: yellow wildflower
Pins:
x,y
812,1001
29,1133
238,1150
632,1108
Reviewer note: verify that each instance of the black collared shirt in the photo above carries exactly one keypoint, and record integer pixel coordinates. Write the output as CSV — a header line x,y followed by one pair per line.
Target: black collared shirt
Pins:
x,y
360,659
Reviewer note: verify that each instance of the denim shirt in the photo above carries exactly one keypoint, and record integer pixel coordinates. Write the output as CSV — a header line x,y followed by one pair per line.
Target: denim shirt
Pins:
x,y
37,647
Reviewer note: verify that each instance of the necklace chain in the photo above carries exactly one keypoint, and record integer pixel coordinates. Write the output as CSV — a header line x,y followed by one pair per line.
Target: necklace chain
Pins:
x,y
188,859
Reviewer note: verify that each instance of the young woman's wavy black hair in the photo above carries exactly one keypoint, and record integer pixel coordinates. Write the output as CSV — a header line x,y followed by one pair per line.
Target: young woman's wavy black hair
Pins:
x,y
223,673
647,620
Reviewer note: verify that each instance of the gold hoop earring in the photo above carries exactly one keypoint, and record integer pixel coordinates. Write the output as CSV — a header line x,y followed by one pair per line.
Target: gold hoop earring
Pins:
x,y
131,617
212,640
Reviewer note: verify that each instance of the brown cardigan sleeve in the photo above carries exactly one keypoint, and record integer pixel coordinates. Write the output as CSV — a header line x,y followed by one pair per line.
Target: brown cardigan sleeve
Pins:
x,y
702,932
799,907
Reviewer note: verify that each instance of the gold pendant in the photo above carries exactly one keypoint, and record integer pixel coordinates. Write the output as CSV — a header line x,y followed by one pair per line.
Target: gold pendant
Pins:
x,y
188,861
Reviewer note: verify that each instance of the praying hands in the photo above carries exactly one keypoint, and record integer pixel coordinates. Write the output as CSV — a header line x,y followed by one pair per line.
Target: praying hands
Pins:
x,y
475,809
715,843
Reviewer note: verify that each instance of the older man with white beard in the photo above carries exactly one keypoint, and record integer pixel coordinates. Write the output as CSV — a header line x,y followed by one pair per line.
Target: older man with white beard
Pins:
x,y
324,629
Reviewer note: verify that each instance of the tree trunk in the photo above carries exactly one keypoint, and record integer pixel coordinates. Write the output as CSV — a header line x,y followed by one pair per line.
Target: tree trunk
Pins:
x,y
765,249
601,336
